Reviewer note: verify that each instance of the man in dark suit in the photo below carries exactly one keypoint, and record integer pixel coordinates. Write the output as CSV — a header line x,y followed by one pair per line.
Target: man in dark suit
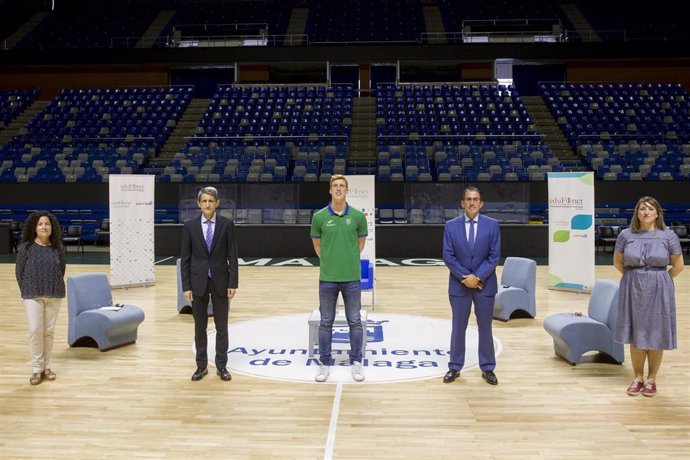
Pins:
x,y
209,268
471,250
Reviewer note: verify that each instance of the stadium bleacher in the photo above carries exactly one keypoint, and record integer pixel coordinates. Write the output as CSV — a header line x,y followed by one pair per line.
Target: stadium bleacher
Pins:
x,y
263,130
625,131
85,135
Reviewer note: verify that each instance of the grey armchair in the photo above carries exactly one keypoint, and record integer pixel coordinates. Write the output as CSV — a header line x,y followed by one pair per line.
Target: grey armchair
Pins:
x,y
88,320
575,334
517,288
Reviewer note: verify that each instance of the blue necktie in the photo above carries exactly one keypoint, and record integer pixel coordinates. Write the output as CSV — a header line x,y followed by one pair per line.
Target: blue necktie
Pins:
x,y
209,235
471,239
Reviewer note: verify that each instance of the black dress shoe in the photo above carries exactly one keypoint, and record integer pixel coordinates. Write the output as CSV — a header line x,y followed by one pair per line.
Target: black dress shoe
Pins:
x,y
490,377
199,374
450,376
224,374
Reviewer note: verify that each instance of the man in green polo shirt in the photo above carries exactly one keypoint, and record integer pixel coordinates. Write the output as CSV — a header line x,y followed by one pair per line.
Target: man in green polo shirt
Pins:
x,y
339,233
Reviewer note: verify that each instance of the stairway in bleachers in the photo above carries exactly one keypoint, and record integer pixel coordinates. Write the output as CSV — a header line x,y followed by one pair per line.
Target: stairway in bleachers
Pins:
x,y
297,25
582,26
433,22
148,40
184,129
18,124
363,135
551,133
26,29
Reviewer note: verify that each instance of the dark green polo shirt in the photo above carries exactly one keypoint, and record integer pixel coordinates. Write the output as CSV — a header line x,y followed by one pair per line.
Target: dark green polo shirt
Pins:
x,y
339,235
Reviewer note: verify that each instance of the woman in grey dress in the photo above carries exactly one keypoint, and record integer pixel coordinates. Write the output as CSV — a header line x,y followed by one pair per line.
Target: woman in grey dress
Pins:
x,y
647,299
40,272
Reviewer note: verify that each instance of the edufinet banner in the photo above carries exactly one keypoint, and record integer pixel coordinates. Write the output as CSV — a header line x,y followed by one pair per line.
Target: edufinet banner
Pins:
x,y
131,230
571,231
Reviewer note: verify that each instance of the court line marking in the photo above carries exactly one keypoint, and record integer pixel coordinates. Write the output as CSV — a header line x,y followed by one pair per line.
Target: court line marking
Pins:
x,y
330,442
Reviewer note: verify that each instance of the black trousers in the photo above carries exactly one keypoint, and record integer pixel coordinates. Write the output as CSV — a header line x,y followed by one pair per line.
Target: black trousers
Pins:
x,y
221,307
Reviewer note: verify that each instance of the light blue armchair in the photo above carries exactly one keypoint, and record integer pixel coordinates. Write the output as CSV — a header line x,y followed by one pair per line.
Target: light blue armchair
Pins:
x,y
88,320
517,288
575,334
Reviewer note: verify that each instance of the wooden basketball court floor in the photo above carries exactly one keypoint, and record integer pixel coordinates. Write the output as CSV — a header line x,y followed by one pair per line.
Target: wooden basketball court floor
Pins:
x,y
138,401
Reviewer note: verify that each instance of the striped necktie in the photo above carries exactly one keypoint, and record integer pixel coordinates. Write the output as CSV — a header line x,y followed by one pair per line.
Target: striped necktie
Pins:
x,y
209,234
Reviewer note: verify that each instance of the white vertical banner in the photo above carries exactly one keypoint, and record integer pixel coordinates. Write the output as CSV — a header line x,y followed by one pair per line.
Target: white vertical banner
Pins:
x,y
131,230
571,231
361,195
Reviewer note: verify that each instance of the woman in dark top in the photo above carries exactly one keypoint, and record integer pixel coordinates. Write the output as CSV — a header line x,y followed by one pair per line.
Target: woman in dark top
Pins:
x,y
40,274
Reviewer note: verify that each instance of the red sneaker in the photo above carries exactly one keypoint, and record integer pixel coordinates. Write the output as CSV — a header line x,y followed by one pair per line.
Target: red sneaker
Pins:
x,y
649,388
635,387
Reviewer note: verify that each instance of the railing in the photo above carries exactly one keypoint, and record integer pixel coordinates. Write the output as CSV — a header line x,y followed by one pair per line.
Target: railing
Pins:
x,y
140,42
426,38
532,24
224,26
252,138
366,42
456,137
147,141
606,136
217,41
437,38
604,35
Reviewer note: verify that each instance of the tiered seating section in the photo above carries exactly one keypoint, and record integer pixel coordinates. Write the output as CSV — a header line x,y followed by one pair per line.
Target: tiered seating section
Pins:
x,y
454,12
269,134
229,164
68,164
110,23
615,20
626,131
85,24
90,117
276,114
13,13
275,163
229,18
458,132
442,132
365,21
13,102
85,135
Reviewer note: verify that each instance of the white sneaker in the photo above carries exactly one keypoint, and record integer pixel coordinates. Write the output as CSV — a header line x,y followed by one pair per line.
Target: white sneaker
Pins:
x,y
357,372
322,374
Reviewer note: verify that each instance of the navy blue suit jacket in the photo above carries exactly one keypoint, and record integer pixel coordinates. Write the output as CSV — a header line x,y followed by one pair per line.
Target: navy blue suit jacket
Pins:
x,y
196,260
480,261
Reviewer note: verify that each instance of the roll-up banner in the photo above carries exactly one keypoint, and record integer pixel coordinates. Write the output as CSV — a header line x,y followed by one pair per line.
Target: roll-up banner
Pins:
x,y
361,191
571,231
131,230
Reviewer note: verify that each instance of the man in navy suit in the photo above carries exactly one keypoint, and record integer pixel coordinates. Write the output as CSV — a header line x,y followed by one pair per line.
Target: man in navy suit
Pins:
x,y
471,249
209,268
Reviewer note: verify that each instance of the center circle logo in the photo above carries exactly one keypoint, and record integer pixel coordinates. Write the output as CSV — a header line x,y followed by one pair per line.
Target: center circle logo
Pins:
x,y
399,348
